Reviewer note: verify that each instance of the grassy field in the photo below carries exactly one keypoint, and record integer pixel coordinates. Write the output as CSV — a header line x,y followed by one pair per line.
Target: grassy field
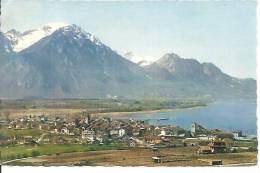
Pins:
x,y
16,152
9,133
245,144
185,156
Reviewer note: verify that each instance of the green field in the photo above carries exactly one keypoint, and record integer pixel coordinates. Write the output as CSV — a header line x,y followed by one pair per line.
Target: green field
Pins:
x,y
7,133
252,144
16,152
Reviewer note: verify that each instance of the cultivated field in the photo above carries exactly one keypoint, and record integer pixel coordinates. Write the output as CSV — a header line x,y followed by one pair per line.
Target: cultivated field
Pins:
x,y
140,157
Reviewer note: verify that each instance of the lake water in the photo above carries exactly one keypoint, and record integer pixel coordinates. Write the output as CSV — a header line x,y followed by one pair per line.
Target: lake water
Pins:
x,y
227,115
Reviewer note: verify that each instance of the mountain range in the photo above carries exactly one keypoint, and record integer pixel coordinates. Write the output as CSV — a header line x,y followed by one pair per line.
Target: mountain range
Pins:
x,y
64,61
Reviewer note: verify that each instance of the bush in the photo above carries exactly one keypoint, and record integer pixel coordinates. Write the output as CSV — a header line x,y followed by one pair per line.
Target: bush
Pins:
x,y
252,149
25,155
12,157
19,156
35,153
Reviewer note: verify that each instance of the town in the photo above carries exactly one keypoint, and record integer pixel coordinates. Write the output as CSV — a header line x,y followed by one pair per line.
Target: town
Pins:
x,y
32,136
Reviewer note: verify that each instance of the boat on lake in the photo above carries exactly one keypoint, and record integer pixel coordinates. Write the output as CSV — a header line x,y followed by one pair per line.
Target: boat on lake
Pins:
x,y
162,119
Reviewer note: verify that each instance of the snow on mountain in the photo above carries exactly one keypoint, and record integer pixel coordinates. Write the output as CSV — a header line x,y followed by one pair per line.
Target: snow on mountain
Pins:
x,y
77,33
71,63
21,41
140,60
144,63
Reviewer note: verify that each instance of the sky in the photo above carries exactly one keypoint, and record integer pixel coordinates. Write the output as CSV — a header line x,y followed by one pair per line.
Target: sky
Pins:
x,y
221,32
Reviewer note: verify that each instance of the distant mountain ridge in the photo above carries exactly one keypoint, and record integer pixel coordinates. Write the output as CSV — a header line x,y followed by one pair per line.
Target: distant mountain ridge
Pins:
x,y
20,41
203,78
68,62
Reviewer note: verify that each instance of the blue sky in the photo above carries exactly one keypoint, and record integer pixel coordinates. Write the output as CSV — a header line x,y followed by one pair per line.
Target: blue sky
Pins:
x,y
220,32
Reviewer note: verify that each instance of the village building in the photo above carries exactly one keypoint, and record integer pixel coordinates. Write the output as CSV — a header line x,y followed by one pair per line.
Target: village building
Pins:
x,y
135,132
64,130
217,146
46,140
132,144
44,127
163,133
204,150
121,132
157,159
27,139
114,132
204,137
237,134
153,139
191,141
196,129
88,136
99,138
87,117
142,131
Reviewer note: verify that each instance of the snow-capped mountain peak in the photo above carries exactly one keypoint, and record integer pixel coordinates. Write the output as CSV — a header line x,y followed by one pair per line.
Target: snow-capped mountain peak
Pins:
x,y
77,32
21,41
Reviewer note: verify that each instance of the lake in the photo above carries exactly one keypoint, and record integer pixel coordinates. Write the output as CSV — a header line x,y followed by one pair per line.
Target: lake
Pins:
x,y
227,115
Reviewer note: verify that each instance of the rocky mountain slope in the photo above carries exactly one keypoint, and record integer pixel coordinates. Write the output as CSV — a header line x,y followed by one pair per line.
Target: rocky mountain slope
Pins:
x,y
190,76
68,62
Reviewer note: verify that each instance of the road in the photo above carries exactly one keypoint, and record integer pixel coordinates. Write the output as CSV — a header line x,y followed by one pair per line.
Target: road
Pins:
x,y
41,137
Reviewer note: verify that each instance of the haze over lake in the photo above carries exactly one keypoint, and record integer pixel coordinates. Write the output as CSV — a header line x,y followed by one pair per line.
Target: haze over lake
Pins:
x,y
226,115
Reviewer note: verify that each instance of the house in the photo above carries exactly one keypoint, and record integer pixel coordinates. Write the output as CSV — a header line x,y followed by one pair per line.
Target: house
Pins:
x,y
64,130
99,138
88,117
46,141
237,134
191,142
44,127
88,135
217,146
113,132
204,137
132,143
196,129
142,131
121,132
153,139
204,150
135,132
216,162
27,139
56,131
157,159
163,133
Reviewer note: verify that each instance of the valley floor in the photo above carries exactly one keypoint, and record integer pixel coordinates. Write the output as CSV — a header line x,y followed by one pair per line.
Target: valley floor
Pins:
x,y
140,157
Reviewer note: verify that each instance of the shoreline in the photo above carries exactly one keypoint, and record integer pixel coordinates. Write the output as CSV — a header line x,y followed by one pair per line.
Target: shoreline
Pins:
x,y
126,114
50,111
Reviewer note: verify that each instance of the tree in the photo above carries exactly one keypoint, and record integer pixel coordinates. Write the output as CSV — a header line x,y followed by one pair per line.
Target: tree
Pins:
x,y
77,123
7,116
